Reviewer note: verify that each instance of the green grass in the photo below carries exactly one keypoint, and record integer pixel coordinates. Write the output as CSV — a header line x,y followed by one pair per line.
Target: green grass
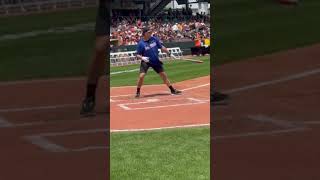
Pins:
x,y
176,70
46,56
243,29
181,154
248,28
19,24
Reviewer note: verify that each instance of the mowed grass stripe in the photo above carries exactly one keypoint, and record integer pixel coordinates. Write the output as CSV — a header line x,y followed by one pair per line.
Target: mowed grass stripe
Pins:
x,y
249,28
46,56
176,70
44,21
165,154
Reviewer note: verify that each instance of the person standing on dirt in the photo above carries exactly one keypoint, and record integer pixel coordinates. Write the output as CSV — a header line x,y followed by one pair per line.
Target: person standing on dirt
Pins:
x,y
147,52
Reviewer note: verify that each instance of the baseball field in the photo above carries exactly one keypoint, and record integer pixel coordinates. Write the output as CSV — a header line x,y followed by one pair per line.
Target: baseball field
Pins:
x,y
263,52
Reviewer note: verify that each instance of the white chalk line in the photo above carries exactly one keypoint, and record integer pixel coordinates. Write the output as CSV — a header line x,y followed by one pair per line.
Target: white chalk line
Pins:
x,y
38,108
294,128
152,100
275,81
42,142
272,82
124,71
135,86
22,109
274,121
75,132
275,132
195,87
186,89
88,148
165,106
160,128
45,144
193,102
5,123
259,133
41,81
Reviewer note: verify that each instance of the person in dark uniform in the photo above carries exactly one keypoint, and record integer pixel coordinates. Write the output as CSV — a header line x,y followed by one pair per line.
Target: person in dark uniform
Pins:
x,y
98,64
147,52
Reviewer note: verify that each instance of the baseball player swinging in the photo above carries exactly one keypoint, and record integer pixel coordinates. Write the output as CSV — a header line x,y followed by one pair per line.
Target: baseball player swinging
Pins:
x,y
147,52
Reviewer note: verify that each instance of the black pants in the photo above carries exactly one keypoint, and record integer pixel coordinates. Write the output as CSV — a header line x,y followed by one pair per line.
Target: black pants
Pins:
x,y
144,66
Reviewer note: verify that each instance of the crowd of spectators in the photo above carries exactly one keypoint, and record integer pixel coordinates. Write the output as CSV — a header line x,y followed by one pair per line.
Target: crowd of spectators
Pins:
x,y
170,26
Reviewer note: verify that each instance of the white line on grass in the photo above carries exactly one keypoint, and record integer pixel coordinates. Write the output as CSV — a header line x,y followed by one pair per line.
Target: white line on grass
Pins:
x,y
125,71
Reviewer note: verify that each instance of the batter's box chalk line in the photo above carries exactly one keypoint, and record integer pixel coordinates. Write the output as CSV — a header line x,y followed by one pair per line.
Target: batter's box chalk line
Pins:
x,y
5,123
285,125
113,98
42,141
189,101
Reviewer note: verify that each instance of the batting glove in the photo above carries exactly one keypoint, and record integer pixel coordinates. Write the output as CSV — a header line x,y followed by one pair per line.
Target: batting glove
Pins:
x,y
145,59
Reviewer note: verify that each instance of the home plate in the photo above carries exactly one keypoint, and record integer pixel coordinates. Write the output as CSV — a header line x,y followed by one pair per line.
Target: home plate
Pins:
x,y
152,100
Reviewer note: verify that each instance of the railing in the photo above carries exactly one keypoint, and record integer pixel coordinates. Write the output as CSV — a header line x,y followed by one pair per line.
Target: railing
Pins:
x,y
164,17
155,9
130,57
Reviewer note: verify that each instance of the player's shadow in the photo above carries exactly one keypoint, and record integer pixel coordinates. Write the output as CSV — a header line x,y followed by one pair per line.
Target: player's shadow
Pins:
x,y
155,95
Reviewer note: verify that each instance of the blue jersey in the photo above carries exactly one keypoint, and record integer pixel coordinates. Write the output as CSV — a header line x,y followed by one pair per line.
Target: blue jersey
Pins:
x,y
150,49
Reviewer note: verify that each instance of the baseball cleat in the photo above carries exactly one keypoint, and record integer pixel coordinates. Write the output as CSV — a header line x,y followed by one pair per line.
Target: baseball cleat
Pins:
x,y
175,92
88,105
